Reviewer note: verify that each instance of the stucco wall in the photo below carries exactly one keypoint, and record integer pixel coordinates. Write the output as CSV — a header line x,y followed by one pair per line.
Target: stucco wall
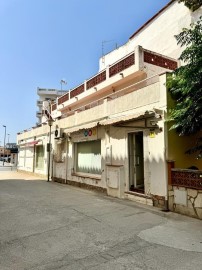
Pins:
x,y
154,165
67,169
189,201
27,156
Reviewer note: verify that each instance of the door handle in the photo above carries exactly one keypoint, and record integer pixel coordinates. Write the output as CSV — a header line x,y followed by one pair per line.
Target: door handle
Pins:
x,y
137,160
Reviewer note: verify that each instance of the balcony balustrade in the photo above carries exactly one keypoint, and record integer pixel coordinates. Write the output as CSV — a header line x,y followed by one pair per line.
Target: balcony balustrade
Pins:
x,y
96,80
121,65
64,98
186,178
54,107
131,66
159,60
76,91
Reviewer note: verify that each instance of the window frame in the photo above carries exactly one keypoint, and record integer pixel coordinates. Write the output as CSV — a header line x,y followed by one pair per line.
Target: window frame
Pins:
x,y
36,157
81,173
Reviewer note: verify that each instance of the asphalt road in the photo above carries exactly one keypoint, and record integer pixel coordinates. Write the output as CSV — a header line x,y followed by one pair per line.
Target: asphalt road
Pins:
x,y
49,226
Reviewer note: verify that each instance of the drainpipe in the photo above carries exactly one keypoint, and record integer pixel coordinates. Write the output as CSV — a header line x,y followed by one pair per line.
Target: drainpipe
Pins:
x,y
166,206
66,162
52,171
34,158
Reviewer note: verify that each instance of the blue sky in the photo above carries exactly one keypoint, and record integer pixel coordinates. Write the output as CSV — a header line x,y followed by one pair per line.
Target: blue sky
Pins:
x,y
44,41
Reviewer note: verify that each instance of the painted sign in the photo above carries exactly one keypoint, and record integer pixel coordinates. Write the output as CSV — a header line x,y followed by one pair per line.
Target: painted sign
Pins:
x,y
85,135
89,132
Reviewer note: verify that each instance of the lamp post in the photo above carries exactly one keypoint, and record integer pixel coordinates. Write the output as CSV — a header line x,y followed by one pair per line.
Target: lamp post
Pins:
x,y
50,123
7,147
4,143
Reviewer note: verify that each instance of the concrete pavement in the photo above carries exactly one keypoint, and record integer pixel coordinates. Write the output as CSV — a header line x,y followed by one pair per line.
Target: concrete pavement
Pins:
x,y
9,174
49,226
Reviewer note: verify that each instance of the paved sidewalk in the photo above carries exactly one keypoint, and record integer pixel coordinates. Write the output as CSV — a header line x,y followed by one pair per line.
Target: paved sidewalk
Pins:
x,y
49,226
6,175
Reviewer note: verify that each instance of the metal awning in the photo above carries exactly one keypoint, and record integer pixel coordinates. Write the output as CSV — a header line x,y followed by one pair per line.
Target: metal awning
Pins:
x,y
118,121
80,127
29,144
129,118
32,143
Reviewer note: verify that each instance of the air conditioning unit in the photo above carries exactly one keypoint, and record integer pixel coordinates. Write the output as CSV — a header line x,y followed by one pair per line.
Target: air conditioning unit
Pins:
x,y
59,134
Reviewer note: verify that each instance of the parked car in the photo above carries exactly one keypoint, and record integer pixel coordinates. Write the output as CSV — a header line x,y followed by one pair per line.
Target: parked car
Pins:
x,y
5,159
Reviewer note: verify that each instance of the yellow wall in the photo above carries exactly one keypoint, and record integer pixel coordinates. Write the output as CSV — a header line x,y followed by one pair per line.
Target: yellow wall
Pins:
x,y
178,145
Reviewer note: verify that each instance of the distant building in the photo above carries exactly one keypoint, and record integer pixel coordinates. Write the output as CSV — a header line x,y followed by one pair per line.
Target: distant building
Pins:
x,y
10,153
4,153
45,97
12,147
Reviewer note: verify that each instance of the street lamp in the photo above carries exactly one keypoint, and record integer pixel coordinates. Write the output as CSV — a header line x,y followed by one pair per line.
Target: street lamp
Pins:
x,y
7,147
50,123
4,144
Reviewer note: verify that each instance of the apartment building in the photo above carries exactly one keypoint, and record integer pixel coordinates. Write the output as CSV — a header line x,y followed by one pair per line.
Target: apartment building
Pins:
x,y
46,96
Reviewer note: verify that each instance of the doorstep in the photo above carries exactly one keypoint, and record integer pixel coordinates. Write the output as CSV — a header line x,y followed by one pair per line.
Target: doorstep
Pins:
x,y
138,197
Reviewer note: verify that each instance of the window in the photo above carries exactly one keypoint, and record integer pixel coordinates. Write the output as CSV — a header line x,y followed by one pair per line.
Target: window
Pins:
x,y
88,157
39,157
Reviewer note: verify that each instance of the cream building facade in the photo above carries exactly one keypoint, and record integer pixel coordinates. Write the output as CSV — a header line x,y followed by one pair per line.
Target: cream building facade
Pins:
x,y
109,133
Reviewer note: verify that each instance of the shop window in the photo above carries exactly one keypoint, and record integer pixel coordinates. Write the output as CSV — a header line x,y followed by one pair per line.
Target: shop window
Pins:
x,y
39,157
88,157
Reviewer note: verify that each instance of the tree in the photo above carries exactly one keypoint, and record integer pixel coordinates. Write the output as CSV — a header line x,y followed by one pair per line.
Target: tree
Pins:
x,y
185,83
192,4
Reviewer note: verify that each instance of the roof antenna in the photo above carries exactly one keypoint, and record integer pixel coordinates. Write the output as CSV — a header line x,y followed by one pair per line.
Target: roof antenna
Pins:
x,y
62,82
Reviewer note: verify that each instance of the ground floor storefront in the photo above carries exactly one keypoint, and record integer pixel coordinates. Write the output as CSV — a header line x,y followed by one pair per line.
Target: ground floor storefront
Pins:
x,y
125,159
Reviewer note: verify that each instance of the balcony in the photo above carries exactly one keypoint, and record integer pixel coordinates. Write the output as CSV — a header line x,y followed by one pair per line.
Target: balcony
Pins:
x,y
39,114
111,107
50,92
134,67
39,103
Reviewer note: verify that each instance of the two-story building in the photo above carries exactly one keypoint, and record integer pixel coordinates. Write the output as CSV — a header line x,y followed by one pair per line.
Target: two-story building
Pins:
x,y
109,133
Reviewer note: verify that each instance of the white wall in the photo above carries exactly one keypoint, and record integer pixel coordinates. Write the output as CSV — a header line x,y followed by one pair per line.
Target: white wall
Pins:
x,y
26,157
